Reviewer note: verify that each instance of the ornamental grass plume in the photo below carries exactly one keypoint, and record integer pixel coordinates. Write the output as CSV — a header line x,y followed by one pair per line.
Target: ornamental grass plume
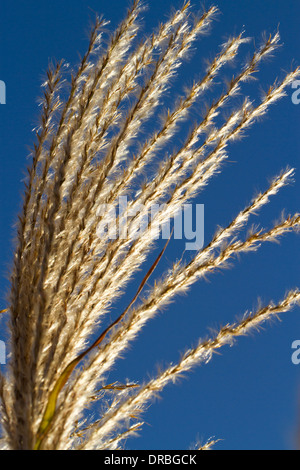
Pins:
x,y
91,151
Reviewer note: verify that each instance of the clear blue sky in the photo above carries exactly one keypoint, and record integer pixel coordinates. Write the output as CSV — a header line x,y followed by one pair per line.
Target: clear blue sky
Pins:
x,y
249,396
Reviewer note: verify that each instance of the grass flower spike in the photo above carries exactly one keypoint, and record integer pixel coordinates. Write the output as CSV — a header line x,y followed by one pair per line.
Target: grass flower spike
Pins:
x,y
99,142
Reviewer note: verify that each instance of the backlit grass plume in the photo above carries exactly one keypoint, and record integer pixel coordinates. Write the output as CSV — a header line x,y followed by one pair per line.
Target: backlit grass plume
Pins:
x,y
92,149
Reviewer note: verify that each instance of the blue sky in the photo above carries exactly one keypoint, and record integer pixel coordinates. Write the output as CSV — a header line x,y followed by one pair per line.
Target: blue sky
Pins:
x,y
249,396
